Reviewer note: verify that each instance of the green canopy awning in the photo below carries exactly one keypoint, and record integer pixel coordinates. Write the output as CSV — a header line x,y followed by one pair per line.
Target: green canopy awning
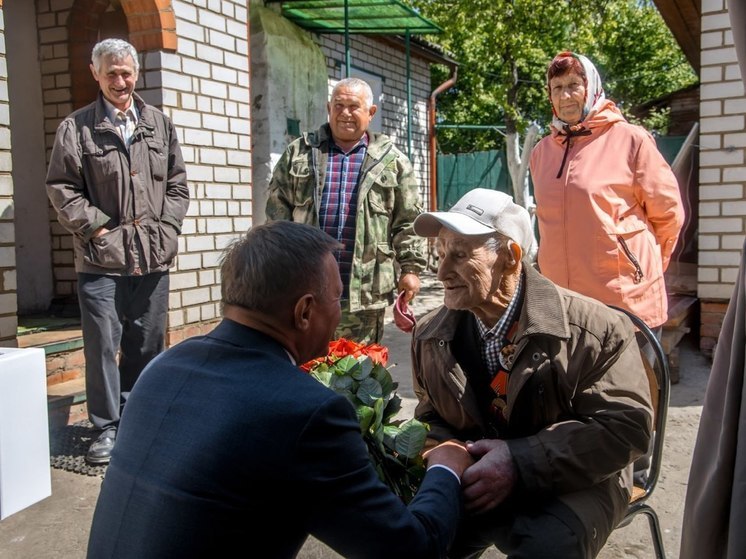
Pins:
x,y
379,17
390,17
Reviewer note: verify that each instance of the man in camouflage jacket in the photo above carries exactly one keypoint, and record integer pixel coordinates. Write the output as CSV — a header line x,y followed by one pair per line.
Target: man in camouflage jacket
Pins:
x,y
368,204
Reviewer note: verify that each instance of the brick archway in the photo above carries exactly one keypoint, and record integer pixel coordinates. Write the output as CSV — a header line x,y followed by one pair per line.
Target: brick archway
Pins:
x,y
150,25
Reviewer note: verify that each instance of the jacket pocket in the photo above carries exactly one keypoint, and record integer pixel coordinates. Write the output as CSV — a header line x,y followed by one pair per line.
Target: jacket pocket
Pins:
x,y
638,259
107,251
102,163
158,158
383,277
167,245
302,212
299,168
382,194
637,275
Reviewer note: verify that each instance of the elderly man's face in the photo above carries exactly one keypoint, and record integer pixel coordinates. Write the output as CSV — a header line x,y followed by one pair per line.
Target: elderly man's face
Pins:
x,y
471,273
117,78
349,114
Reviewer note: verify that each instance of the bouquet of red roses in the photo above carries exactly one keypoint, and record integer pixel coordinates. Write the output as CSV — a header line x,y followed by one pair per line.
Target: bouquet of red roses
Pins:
x,y
359,373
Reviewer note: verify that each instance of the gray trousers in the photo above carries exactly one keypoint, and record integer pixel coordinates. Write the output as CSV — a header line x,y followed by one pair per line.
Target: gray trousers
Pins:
x,y
124,325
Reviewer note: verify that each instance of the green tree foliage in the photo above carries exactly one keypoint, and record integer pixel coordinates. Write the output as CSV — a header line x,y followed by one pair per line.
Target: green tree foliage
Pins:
x,y
504,46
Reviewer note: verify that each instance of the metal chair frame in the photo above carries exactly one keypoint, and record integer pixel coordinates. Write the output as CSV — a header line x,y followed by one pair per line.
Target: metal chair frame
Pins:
x,y
638,503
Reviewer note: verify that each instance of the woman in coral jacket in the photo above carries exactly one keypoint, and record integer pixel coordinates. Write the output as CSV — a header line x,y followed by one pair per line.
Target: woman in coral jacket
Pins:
x,y
608,205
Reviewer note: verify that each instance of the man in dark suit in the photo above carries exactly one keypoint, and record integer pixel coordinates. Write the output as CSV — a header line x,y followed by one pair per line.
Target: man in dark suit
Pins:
x,y
225,440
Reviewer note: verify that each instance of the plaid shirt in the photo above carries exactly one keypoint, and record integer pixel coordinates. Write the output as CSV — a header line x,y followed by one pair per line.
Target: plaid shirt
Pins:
x,y
338,209
495,338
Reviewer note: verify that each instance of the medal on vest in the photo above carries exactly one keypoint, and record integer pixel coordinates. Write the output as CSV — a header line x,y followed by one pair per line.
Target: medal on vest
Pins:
x,y
499,382
507,356
499,385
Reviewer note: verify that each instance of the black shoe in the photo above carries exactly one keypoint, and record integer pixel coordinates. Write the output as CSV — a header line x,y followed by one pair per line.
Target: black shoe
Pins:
x,y
100,451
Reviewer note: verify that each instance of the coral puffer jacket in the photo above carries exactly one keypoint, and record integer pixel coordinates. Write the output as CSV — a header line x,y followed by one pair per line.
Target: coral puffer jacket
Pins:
x,y
609,223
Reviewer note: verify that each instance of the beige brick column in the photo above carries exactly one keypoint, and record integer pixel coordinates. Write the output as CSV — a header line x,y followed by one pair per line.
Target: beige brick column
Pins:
x,y
722,208
8,304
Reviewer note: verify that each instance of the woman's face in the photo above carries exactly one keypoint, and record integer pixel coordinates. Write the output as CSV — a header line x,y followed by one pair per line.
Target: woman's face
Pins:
x,y
567,94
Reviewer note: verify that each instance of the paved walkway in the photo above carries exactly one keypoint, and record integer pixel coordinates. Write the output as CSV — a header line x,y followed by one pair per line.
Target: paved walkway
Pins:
x,y
57,527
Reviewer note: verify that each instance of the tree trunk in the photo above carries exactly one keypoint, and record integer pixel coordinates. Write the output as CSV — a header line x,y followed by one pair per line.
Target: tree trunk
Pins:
x,y
518,163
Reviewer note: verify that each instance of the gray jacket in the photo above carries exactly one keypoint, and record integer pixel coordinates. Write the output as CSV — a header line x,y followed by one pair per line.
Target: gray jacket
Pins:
x,y
139,194
578,410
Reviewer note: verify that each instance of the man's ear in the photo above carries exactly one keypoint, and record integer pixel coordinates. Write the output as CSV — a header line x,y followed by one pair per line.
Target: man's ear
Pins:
x,y
516,253
93,71
372,110
302,312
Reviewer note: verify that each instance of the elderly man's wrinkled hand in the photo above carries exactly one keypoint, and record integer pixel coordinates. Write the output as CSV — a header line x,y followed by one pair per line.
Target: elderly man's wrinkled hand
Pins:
x,y
451,453
491,479
410,284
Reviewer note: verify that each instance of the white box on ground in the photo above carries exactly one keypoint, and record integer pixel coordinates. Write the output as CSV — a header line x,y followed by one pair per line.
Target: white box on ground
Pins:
x,y
25,477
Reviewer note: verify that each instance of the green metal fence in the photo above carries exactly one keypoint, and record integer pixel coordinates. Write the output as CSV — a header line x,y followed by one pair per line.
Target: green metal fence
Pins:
x,y
461,172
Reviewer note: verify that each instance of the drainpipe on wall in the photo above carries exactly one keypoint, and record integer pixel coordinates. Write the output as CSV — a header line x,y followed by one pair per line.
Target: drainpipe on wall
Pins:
x,y
450,82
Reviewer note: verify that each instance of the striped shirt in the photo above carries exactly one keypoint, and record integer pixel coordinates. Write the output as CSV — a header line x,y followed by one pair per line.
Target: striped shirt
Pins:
x,y
338,209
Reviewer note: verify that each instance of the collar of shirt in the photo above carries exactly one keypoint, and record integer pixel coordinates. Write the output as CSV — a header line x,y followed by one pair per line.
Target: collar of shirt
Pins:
x,y
500,330
362,142
112,112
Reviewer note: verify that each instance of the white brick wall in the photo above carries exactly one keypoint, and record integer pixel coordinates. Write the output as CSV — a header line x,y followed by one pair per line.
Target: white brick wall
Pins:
x,y
722,208
204,88
8,282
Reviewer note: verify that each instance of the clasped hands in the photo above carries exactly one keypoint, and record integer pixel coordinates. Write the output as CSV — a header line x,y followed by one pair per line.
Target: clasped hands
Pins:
x,y
488,473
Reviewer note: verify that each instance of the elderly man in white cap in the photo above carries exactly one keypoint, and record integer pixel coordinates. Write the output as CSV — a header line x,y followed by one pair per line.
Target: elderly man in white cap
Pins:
x,y
549,385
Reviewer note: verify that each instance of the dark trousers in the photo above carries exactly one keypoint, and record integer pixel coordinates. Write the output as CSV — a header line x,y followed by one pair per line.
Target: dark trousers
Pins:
x,y
124,325
522,528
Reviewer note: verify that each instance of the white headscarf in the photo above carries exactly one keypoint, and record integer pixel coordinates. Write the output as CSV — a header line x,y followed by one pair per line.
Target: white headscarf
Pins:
x,y
594,92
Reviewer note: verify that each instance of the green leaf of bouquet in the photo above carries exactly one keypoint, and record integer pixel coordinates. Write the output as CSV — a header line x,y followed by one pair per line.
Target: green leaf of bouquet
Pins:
x,y
346,365
393,407
369,391
390,433
365,415
383,376
411,438
342,384
363,372
323,376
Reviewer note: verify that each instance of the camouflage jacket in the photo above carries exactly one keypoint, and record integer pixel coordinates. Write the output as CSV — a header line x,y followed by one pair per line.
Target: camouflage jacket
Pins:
x,y
388,202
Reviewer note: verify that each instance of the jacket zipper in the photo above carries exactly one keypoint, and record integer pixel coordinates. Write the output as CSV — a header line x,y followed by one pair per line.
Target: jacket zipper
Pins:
x,y
638,269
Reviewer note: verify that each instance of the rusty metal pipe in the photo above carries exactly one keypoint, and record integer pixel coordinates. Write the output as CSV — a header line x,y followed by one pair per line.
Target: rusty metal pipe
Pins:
x,y
450,82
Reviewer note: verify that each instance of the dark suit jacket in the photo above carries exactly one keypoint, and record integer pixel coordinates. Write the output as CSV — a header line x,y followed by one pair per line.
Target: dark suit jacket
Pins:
x,y
224,444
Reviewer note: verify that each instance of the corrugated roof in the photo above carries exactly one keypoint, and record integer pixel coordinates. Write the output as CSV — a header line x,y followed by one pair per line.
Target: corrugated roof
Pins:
x,y
363,16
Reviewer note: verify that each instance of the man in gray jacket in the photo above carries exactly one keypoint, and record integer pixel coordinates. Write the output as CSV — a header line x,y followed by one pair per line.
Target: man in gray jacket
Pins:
x,y
549,383
117,180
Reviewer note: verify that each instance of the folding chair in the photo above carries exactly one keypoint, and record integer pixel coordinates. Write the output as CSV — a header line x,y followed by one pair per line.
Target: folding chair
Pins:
x,y
656,367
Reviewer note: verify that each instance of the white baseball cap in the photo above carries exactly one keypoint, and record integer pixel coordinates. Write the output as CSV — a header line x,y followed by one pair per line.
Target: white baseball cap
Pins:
x,y
481,212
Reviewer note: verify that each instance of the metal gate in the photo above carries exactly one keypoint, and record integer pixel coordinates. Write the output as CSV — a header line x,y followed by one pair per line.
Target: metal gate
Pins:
x,y
461,172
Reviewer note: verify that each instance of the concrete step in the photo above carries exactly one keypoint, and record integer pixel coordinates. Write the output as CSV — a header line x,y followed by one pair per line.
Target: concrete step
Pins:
x,y
65,364
66,403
